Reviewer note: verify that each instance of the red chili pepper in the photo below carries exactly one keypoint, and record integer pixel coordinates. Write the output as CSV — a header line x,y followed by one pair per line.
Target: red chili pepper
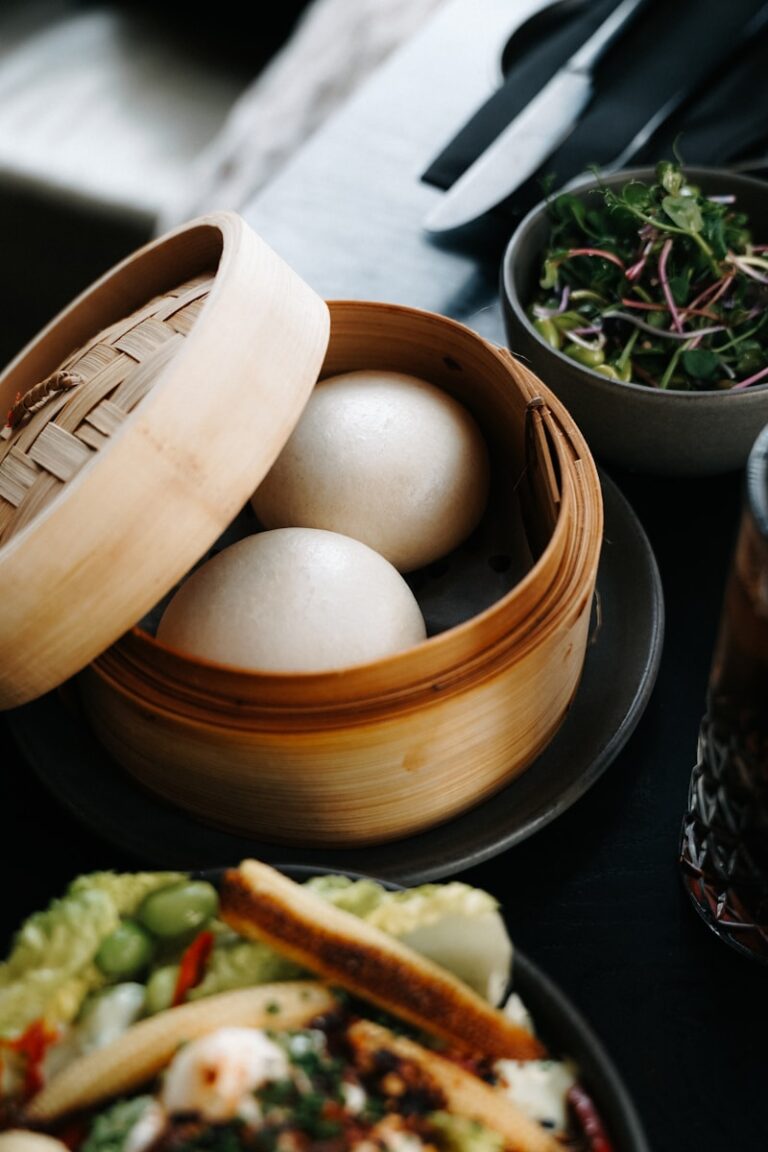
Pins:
x,y
32,1044
192,966
588,1118
73,1133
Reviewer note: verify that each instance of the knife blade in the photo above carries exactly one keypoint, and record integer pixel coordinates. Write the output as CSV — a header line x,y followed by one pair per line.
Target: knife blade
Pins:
x,y
533,135
533,52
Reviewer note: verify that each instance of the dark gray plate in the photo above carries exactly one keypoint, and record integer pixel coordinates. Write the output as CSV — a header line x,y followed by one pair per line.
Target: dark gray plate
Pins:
x,y
619,674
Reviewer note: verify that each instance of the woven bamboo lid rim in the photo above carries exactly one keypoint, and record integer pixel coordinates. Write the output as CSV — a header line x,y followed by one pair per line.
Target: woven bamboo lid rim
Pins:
x,y
56,382
59,425
110,490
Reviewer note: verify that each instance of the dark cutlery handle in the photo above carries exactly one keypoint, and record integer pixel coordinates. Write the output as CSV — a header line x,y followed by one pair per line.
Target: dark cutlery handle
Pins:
x,y
649,70
530,57
713,92
723,122
600,42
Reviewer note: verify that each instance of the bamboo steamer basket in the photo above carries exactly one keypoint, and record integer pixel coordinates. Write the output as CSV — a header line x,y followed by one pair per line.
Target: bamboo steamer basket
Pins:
x,y
356,756
379,751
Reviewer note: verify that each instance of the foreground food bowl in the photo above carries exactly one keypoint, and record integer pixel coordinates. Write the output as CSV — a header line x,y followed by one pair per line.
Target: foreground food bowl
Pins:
x,y
354,756
667,432
392,948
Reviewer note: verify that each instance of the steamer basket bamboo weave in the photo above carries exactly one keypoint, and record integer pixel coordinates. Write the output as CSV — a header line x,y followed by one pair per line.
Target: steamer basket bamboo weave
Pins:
x,y
141,419
379,751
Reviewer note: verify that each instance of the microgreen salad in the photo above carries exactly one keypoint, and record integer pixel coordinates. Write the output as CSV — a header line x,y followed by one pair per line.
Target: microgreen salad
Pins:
x,y
659,285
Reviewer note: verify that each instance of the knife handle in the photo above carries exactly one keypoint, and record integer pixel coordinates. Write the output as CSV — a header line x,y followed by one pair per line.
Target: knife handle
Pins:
x,y
593,50
635,84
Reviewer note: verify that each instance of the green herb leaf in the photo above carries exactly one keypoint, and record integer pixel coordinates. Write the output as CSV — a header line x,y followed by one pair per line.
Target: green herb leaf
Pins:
x,y
680,285
637,195
684,212
701,364
714,233
670,177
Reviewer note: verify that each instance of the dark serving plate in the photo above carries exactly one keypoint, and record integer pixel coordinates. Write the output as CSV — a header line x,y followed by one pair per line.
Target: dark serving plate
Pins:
x,y
619,674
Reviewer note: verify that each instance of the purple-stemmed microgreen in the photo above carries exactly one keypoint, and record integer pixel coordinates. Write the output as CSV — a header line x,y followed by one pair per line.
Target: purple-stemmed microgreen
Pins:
x,y
666,248
761,375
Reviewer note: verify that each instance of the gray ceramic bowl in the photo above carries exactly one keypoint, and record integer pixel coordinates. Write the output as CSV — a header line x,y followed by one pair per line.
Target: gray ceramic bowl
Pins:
x,y
666,432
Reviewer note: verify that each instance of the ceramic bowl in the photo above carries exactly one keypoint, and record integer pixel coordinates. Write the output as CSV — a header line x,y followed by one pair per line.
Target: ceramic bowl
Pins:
x,y
636,426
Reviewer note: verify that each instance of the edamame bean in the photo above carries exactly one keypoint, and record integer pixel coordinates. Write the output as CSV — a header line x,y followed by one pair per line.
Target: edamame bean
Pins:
x,y
589,357
179,908
549,332
125,951
160,989
586,294
621,372
567,320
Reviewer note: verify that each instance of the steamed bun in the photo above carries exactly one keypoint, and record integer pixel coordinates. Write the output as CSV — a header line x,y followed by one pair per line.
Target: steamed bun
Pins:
x,y
386,458
293,600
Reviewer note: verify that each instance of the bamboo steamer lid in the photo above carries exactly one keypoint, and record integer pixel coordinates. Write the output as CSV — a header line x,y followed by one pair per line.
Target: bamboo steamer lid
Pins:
x,y
140,420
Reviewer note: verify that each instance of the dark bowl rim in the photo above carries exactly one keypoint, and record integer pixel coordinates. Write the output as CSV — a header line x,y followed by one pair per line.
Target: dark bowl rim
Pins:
x,y
586,183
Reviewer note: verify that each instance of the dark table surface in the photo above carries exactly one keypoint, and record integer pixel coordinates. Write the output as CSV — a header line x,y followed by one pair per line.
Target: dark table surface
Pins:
x,y
595,898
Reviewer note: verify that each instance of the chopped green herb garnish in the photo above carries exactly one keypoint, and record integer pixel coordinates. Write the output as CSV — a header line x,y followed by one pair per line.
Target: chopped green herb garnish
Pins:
x,y
228,1137
109,1130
